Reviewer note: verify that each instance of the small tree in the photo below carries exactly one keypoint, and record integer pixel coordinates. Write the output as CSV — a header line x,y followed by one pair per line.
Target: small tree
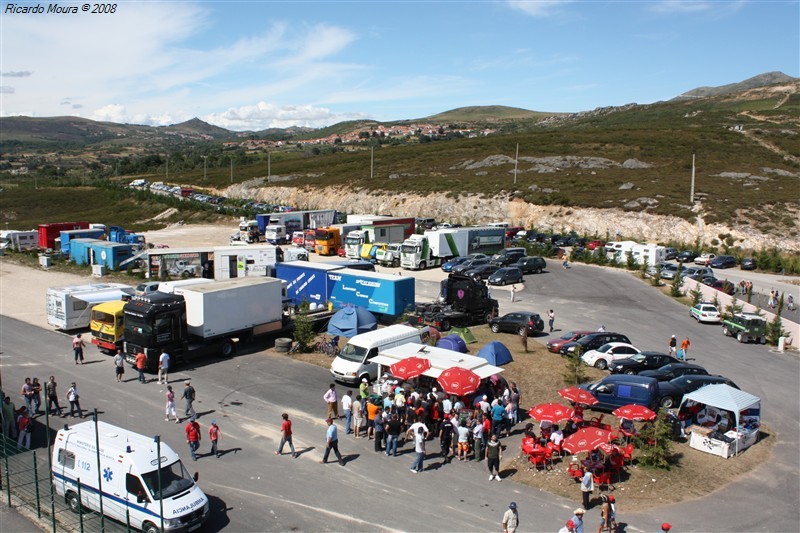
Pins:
x,y
675,291
656,281
645,266
630,261
303,327
575,371
775,327
654,443
731,309
716,301
696,294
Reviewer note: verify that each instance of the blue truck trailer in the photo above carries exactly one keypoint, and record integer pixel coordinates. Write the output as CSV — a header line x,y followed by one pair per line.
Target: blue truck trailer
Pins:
x,y
69,235
320,283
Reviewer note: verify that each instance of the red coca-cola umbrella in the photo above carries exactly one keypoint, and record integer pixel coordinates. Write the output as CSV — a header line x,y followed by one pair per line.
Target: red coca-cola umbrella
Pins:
x,y
610,449
586,440
634,412
459,381
576,395
410,367
550,412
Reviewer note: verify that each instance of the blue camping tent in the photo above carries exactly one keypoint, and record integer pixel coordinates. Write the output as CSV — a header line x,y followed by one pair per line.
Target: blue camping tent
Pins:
x,y
496,353
453,342
350,321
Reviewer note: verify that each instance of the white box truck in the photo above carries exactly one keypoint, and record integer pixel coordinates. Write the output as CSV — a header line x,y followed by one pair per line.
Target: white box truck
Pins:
x,y
354,361
242,261
654,253
125,473
70,307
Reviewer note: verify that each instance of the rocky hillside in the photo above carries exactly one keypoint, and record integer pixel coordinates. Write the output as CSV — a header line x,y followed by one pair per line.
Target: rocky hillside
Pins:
x,y
477,209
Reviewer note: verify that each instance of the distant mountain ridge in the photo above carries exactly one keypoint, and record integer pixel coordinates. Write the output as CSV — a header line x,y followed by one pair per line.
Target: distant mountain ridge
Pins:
x,y
761,80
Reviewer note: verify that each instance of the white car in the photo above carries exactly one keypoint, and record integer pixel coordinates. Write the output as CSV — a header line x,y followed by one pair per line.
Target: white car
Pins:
x,y
704,312
608,353
704,258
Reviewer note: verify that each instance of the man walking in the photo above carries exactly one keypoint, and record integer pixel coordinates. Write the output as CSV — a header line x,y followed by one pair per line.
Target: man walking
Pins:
x,y
74,400
27,394
193,436
188,395
141,365
494,454
163,367
9,418
419,433
393,429
551,318
587,486
332,400
510,518
513,292
51,392
332,442
214,434
685,348
286,436
119,365
347,408
673,345
77,348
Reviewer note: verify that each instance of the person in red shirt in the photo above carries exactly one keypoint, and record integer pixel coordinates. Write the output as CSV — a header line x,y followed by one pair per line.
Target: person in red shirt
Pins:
x,y
193,436
141,365
214,434
286,436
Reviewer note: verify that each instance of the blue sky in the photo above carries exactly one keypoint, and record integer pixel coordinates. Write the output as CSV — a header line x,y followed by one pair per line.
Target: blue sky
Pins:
x,y
254,65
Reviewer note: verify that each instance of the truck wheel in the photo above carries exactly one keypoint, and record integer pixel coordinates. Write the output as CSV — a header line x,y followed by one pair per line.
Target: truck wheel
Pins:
x,y
147,527
227,348
725,331
422,266
72,502
395,263
495,328
762,340
740,337
601,364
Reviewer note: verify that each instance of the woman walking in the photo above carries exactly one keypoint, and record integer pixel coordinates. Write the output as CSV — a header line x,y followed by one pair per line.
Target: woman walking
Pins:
x,y
170,409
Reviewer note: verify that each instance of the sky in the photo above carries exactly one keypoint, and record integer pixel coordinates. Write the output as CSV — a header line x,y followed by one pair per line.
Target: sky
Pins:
x,y
248,66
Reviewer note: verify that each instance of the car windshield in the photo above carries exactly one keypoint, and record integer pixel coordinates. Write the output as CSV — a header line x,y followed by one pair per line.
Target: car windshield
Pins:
x,y
174,480
354,353
638,358
567,336
666,369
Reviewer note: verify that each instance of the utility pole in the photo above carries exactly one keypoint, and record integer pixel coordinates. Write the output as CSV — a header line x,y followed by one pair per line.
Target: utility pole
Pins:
x,y
516,160
691,191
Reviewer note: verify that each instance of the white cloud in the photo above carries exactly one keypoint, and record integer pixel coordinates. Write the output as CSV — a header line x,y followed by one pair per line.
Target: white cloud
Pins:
x,y
6,89
264,115
538,8
681,6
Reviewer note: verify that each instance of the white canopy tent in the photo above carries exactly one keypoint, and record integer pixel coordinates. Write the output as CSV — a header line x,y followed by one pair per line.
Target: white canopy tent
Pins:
x,y
441,359
725,397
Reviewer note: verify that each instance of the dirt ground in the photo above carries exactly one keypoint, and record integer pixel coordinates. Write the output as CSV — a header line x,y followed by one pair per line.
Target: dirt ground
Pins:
x,y
538,374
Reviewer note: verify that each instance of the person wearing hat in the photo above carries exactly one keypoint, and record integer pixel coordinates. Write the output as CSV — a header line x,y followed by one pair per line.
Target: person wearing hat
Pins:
x,y
192,431
363,390
666,527
569,527
332,442
577,520
511,518
673,345
189,396
214,434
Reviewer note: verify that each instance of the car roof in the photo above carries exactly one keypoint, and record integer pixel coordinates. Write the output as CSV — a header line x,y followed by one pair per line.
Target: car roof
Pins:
x,y
615,378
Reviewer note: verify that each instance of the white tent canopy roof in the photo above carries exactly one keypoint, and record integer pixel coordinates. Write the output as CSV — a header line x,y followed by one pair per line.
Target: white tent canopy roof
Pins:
x,y
441,359
724,397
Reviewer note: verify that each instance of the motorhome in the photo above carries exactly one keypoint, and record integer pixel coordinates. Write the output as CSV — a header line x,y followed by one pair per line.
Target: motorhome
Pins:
x,y
70,307
138,478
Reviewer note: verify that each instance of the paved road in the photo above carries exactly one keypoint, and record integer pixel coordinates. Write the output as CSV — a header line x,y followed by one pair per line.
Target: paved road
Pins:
x,y
253,490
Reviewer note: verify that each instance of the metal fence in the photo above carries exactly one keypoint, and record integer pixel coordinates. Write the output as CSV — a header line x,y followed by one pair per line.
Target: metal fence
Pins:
x,y
26,484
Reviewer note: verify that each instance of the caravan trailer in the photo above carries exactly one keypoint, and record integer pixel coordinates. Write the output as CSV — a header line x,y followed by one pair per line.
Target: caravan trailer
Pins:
x,y
70,307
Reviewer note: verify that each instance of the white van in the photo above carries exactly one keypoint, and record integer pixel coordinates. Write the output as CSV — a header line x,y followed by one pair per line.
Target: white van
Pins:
x,y
354,361
128,480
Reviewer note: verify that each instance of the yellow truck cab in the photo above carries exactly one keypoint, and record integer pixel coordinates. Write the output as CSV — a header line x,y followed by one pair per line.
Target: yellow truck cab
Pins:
x,y
107,326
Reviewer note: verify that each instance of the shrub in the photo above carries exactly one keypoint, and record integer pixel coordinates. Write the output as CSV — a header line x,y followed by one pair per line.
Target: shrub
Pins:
x,y
675,290
630,261
644,267
775,327
654,443
696,294
575,370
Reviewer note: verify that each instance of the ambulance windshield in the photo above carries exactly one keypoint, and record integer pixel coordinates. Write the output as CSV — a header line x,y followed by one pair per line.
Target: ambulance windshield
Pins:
x,y
174,480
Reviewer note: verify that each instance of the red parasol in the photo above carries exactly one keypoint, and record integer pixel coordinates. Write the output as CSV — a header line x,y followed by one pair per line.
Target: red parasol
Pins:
x,y
410,367
634,412
576,395
586,440
550,412
459,381
610,449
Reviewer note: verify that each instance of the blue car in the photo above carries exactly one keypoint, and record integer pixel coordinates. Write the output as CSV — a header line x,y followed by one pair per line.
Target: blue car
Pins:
x,y
448,266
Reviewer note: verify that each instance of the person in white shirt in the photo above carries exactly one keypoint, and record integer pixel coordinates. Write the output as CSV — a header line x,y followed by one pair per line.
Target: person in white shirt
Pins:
x,y
163,367
556,436
347,409
484,404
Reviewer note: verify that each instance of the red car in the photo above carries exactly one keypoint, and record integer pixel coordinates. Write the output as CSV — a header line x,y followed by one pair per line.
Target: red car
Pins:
x,y
594,244
341,252
555,344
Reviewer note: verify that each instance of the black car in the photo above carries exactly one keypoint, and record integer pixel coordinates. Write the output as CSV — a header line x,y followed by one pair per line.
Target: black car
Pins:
x,y
531,264
723,261
670,253
482,272
593,341
748,263
515,322
508,259
670,393
504,276
641,361
674,370
472,263
687,256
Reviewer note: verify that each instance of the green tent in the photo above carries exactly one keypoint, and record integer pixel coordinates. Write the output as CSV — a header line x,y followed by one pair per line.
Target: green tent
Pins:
x,y
464,333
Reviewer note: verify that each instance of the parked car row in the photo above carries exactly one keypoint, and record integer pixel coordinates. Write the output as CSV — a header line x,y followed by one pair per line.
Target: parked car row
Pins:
x,y
504,268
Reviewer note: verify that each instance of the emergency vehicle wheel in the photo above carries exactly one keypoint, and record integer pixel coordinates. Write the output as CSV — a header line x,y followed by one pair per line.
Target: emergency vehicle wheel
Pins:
x,y
72,502
147,527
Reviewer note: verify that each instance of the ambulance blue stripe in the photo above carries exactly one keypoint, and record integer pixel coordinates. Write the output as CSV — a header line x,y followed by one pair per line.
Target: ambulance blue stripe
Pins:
x,y
108,496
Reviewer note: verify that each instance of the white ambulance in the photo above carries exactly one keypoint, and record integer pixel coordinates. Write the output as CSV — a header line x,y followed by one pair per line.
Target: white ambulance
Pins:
x,y
128,478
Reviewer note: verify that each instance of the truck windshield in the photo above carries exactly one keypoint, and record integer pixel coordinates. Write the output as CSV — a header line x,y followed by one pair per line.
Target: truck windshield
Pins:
x,y
409,249
138,330
352,240
105,318
174,480
322,235
354,353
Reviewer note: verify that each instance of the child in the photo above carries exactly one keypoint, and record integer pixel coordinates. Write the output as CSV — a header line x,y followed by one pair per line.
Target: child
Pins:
x,y
214,434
